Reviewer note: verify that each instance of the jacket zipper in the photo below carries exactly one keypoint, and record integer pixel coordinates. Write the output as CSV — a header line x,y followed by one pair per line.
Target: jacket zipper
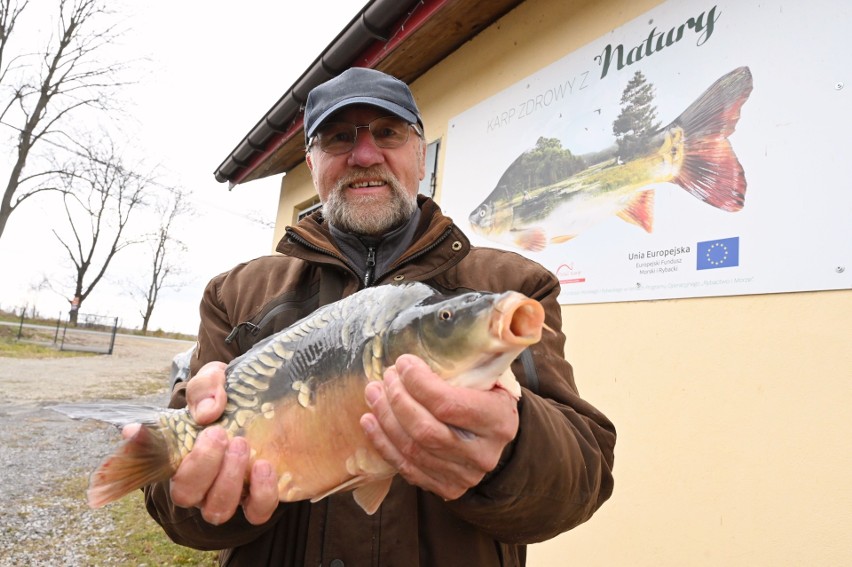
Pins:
x,y
295,237
369,277
252,328
233,334
371,266
426,250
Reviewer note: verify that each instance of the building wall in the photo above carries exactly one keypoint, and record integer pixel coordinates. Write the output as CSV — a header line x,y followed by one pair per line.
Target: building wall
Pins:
x,y
734,429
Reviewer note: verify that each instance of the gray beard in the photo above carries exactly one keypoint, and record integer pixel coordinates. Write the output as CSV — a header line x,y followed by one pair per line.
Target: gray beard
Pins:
x,y
369,215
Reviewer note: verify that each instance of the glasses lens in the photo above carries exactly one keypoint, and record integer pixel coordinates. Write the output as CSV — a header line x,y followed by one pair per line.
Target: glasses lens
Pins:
x,y
339,137
389,132
336,137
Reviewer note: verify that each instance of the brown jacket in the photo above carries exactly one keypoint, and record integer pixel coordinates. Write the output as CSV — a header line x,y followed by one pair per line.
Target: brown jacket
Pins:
x,y
552,478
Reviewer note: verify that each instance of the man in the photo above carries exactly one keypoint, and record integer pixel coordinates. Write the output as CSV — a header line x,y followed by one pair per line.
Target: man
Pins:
x,y
533,468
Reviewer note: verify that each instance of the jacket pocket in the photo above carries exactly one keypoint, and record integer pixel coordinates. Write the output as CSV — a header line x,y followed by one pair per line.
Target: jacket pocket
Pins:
x,y
279,313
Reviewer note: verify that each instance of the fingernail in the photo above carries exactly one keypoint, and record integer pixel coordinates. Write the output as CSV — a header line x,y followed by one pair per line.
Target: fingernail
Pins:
x,y
213,435
263,469
238,446
367,424
391,374
372,393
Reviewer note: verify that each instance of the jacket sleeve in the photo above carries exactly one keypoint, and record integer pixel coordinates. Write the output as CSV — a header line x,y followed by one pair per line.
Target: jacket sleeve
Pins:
x,y
185,526
558,470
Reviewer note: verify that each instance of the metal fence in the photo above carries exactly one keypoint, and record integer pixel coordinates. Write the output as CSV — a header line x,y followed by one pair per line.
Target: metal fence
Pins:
x,y
92,333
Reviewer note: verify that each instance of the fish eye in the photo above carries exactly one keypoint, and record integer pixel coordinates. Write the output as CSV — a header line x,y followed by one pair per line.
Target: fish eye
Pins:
x,y
445,314
482,212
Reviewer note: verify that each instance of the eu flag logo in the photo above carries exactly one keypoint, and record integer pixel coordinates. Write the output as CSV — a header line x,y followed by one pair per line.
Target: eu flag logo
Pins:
x,y
722,253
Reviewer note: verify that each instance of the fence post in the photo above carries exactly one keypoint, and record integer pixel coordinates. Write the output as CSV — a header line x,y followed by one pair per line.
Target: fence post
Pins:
x,y
112,340
21,326
56,334
64,332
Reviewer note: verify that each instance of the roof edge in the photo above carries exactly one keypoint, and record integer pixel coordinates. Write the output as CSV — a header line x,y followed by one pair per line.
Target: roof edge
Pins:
x,y
373,33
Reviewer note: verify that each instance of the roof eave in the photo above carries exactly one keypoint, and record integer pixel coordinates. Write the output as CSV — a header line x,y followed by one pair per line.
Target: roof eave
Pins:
x,y
378,37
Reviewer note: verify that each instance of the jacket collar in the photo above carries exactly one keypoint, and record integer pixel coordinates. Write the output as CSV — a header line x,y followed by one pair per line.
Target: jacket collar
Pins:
x,y
437,242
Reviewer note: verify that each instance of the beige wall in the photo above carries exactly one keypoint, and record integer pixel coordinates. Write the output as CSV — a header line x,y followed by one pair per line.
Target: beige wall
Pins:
x,y
734,414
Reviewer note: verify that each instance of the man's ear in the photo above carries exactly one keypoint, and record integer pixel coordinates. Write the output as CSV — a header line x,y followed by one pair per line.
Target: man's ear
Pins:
x,y
309,161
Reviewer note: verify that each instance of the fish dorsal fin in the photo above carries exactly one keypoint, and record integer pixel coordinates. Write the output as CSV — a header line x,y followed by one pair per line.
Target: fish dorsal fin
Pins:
x,y
640,210
370,496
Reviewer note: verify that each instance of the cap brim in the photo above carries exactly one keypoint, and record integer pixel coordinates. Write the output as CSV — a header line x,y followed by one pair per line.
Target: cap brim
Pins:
x,y
391,107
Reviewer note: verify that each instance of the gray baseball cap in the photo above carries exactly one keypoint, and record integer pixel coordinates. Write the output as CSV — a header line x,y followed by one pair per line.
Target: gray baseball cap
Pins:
x,y
359,85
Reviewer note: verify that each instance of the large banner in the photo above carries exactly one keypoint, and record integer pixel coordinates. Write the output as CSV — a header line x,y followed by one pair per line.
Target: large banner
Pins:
x,y
702,149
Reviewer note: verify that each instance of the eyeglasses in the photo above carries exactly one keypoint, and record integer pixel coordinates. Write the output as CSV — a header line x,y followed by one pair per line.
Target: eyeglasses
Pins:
x,y
337,138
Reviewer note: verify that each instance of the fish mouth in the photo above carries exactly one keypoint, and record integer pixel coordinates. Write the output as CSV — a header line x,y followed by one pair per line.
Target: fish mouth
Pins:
x,y
517,319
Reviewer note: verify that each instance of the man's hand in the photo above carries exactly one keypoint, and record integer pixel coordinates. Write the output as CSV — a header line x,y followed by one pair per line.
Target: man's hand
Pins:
x,y
205,393
441,438
212,476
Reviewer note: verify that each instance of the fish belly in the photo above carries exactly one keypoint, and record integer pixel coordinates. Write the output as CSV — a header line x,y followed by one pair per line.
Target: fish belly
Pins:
x,y
315,443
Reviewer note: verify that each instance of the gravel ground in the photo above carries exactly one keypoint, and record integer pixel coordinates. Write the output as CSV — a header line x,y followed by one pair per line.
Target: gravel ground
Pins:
x,y
44,455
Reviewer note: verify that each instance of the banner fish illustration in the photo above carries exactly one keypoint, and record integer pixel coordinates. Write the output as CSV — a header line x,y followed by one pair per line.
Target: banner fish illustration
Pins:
x,y
297,396
692,152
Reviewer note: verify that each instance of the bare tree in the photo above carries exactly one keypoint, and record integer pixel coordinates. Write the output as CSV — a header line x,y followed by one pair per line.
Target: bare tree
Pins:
x,y
165,257
41,92
99,195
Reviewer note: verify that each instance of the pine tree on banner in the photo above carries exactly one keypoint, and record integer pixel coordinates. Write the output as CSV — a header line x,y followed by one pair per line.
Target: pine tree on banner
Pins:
x,y
638,116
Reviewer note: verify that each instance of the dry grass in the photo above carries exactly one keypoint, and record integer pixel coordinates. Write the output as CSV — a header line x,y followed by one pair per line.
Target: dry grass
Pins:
x,y
10,347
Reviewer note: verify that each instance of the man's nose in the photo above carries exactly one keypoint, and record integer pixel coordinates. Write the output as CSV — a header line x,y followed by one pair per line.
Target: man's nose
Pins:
x,y
365,152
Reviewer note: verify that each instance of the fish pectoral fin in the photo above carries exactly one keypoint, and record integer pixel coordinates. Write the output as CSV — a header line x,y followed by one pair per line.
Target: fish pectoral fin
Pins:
x,y
365,468
531,239
342,487
563,238
640,210
508,382
370,496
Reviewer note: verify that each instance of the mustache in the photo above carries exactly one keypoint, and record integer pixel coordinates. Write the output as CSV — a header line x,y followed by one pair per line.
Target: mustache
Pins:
x,y
374,172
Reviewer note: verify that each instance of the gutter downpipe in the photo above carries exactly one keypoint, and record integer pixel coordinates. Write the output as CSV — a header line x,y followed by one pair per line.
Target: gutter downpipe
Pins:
x,y
370,57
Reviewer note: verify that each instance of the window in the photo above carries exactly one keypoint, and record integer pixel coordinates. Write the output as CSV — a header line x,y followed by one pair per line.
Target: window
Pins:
x,y
430,180
307,208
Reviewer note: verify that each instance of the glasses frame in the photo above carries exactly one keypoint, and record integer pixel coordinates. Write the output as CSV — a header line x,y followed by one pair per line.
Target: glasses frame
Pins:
x,y
415,127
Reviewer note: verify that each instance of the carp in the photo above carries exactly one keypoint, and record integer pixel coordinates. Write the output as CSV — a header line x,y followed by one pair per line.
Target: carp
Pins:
x,y
539,200
298,395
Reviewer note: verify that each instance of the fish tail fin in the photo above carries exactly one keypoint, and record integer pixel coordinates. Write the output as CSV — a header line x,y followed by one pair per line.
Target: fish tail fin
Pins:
x,y
640,210
143,459
710,170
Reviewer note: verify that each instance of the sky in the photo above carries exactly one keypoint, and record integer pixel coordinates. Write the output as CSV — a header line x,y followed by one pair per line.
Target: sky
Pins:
x,y
207,72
